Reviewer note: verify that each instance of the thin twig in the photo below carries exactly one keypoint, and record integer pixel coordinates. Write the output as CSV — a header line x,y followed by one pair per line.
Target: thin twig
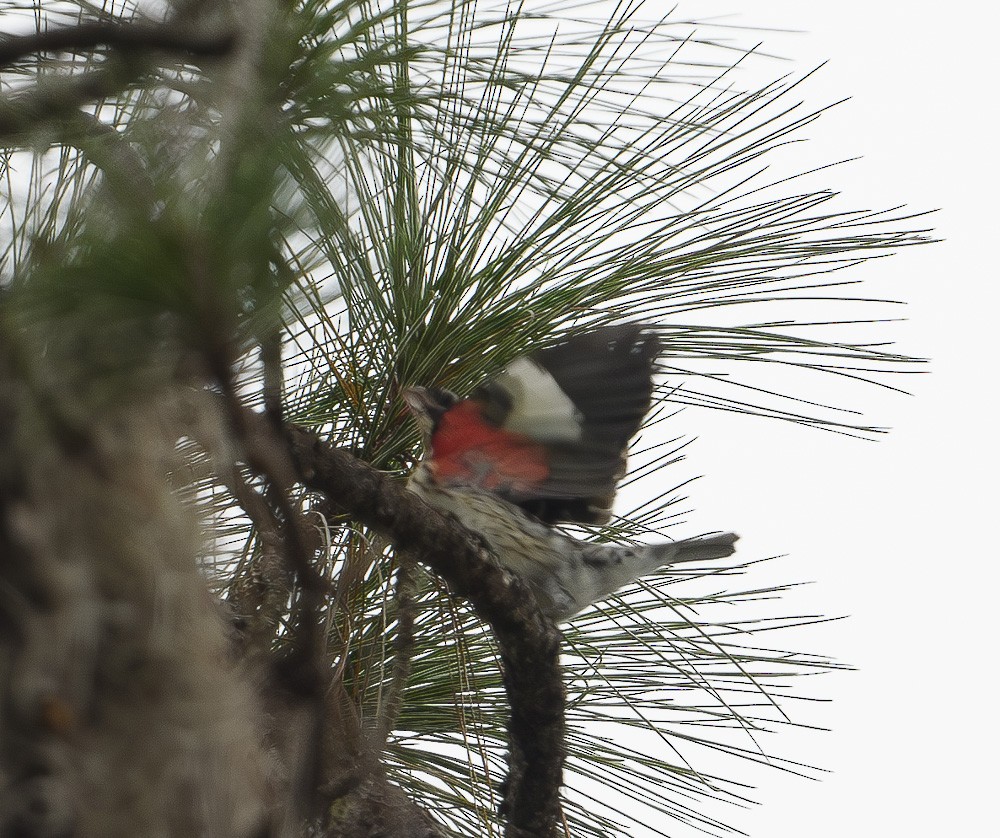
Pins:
x,y
259,593
128,37
270,355
406,583
123,167
52,99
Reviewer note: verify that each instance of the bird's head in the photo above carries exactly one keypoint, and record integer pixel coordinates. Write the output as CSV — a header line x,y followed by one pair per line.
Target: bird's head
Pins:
x,y
428,405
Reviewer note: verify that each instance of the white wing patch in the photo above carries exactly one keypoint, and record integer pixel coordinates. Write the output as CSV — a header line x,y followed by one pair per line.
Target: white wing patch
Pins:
x,y
540,408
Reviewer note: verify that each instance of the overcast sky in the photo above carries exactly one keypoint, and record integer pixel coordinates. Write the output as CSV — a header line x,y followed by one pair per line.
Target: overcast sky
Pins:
x,y
898,534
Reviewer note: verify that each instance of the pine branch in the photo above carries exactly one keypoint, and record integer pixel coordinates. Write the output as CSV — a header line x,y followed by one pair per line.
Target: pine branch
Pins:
x,y
529,643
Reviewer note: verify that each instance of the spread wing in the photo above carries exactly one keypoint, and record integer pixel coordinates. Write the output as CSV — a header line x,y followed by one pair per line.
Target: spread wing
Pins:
x,y
551,432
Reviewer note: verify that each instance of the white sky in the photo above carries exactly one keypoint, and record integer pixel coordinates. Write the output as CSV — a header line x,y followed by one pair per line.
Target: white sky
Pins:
x,y
898,534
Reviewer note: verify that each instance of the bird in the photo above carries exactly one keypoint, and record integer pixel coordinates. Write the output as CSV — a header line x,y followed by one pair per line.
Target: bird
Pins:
x,y
544,443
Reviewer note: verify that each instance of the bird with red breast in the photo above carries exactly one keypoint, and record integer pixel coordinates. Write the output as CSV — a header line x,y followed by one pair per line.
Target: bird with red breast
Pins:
x,y
544,443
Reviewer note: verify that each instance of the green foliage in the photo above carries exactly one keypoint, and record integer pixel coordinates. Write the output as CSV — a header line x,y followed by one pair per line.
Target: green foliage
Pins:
x,y
416,192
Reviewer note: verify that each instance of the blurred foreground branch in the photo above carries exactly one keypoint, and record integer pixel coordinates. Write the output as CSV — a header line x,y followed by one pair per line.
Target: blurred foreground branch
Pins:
x,y
123,37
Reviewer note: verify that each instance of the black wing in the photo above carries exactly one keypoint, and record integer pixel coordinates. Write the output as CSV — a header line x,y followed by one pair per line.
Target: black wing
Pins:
x,y
583,400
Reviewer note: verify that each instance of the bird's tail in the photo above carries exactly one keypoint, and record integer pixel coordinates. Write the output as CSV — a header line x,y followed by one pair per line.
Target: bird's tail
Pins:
x,y
693,549
607,567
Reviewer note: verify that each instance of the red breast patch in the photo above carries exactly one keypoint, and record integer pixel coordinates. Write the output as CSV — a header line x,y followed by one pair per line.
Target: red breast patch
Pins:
x,y
469,450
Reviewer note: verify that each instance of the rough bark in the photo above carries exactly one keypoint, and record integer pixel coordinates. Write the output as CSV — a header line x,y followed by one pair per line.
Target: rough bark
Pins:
x,y
122,712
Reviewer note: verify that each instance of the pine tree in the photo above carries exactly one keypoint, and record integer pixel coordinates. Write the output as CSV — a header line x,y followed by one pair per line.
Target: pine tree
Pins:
x,y
233,233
